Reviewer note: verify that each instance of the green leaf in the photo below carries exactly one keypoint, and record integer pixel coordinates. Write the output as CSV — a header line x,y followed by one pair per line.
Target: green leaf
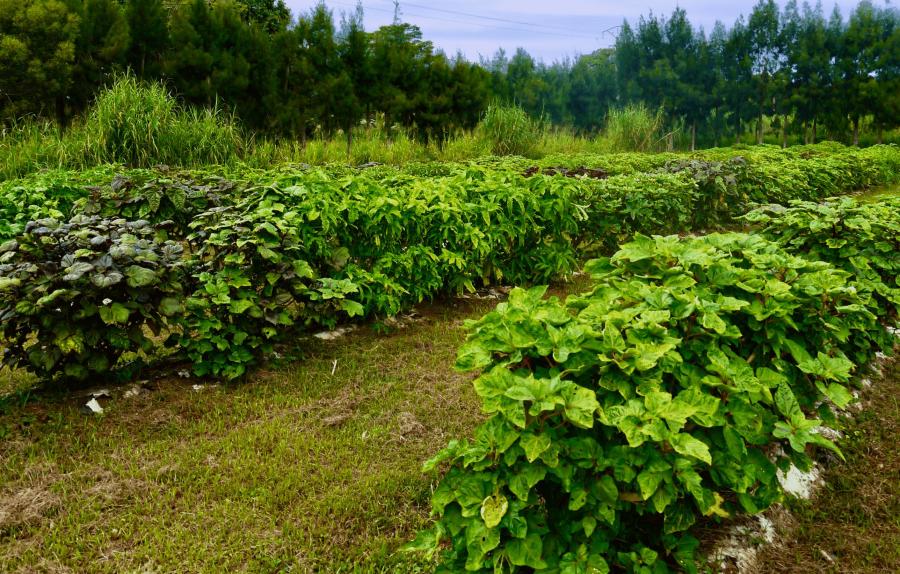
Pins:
x,y
115,314
581,404
352,308
170,306
238,306
787,403
526,552
524,479
687,445
137,276
836,393
493,509
534,445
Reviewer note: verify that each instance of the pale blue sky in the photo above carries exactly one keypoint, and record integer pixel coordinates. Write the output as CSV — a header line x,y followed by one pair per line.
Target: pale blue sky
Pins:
x,y
548,29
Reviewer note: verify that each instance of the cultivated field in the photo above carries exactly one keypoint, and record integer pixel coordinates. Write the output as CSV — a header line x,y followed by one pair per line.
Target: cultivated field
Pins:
x,y
619,424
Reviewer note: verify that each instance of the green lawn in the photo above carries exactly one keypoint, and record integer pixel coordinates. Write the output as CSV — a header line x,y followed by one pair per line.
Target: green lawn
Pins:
x,y
299,470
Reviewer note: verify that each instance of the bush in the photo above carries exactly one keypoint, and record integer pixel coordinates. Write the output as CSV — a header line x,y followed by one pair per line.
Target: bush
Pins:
x,y
158,197
76,296
257,273
280,250
617,420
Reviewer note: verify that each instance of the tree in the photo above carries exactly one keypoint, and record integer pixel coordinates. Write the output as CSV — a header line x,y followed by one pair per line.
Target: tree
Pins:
x,y
100,49
356,60
886,99
766,54
715,58
809,61
738,75
270,15
210,53
37,53
857,65
398,62
593,89
471,85
149,31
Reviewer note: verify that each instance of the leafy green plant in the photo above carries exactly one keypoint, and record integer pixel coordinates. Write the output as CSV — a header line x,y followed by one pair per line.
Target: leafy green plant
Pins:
x,y
861,238
159,199
718,195
619,419
255,279
76,296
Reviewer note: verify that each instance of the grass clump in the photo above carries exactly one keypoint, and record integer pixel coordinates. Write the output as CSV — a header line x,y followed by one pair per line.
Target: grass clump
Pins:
x,y
132,123
510,130
633,128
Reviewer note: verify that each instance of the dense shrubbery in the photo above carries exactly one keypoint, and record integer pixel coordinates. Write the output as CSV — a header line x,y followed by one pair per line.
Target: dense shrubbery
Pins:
x,y
619,419
286,249
76,296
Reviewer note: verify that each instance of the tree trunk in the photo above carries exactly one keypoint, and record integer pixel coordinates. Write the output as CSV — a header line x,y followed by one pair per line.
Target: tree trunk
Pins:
x,y
759,129
737,131
61,118
716,130
880,139
693,135
805,129
856,132
349,141
814,131
784,130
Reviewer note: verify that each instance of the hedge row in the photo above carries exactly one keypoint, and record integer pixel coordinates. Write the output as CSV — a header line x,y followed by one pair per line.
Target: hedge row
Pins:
x,y
669,393
317,247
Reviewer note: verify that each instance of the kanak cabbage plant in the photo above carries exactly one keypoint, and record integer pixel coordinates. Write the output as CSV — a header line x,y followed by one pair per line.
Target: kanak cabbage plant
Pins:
x,y
669,393
76,296
861,238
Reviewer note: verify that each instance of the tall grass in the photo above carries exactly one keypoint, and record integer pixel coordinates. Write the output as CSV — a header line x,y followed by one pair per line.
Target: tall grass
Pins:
x,y
634,128
130,123
510,130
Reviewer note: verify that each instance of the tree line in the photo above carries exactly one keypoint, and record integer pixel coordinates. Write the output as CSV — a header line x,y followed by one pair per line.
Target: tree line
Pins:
x,y
793,69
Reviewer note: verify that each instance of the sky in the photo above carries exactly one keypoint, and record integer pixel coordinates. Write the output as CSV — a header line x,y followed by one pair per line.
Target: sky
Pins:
x,y
549,30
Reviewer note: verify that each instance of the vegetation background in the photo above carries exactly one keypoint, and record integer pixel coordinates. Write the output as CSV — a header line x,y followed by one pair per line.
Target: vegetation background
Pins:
x,y
302,87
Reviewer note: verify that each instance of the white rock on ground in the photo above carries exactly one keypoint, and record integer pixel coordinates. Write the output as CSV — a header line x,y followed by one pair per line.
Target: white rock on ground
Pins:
x,y
335,334
742,545
800,484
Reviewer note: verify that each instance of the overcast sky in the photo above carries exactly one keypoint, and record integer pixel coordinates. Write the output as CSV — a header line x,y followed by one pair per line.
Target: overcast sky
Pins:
x,y
548,29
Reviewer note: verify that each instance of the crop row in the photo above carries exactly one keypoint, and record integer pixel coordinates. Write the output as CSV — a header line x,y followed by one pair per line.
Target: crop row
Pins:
x,y
673,391
227,267
768,174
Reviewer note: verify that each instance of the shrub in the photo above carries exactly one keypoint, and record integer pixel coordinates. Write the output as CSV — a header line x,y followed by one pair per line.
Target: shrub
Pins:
x,y
718,195
75,296
158,197
617,420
